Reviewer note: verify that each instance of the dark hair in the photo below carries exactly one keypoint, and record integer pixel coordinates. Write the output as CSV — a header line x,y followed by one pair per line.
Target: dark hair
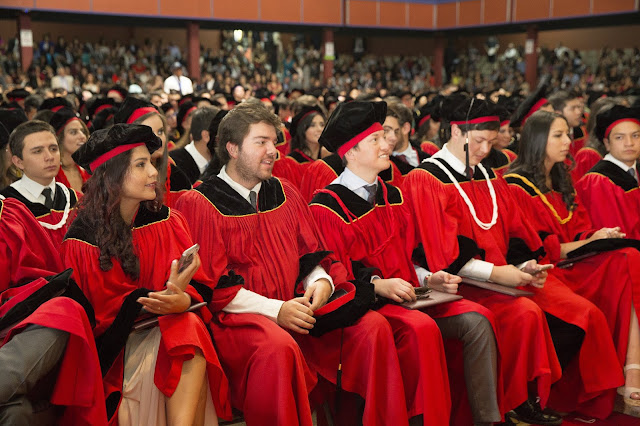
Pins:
x,y
533,151
99,208
559,99
16,139
33,102
600,105
200,120
299,140
401,112
234,127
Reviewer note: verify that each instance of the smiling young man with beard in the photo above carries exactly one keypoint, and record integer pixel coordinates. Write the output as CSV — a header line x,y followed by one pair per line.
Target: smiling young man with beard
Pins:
x,y
258,226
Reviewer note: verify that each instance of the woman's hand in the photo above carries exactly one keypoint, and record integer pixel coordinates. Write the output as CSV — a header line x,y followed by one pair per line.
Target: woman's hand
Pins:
x,y
173,300
182,279
607,233
444,282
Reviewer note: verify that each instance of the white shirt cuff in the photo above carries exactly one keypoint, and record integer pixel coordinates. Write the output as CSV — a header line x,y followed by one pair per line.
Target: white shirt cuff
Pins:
x,y
248,302
317,273
477,269
422,274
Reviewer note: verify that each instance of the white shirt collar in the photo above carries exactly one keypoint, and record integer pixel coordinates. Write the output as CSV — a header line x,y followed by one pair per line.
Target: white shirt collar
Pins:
x,y
354,183
32,190
410,154
619,163
201,162
244,192
451,159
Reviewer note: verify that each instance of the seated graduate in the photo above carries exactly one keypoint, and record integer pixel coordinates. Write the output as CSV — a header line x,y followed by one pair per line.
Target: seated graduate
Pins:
x,y
306,127
36,153
609,191
428,127
193,158
138,111
466,222
9,120
594,149
500,157
72,133
268,339
48,357
123,247
364,222
322,172
542,187
397,130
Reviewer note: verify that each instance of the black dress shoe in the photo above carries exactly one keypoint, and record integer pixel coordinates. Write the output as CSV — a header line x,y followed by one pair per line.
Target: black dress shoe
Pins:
x,y
531,412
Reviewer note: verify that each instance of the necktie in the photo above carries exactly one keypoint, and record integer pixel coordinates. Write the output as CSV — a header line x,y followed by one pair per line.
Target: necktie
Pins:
x,y
403,158
48,200
179,85
253,198
632,172
371,191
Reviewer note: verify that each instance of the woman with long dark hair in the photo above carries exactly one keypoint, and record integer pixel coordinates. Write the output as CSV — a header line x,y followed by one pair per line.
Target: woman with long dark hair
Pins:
x,y
306,128
541,184
123,248
72,133
172,179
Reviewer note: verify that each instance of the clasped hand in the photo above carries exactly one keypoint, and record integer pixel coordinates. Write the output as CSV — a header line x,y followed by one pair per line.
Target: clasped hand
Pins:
x,y
297,314
173,299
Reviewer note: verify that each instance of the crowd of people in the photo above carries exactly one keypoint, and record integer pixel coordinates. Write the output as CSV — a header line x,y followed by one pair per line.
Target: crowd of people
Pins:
x,y
395,252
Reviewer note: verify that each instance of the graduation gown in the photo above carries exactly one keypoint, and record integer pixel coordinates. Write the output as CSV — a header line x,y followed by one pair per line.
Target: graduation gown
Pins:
x,y
429,147
26,255
288,168
62,177
186,164
322,172
499,160
578,141
405,167
381,237
611,280
53,216
585,159
450,238
611,197
177,183
270,248
158,238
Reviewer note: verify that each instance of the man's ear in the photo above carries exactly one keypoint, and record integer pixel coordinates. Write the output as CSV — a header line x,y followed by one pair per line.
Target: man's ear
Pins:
x,y
607,144
406,128
232,149
17,161
204,135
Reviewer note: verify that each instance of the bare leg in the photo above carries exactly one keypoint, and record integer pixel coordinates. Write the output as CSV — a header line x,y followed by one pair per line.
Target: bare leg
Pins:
x,y
183,405
202,404
632,376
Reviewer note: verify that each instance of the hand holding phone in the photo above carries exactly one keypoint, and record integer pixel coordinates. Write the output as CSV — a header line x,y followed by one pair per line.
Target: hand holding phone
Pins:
x,y
187,257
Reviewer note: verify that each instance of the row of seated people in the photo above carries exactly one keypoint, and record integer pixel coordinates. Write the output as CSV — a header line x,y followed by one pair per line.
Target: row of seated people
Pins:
x,y
271,263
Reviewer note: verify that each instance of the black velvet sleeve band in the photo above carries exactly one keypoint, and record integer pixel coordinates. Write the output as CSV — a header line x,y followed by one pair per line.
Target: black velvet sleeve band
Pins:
x,y
519,252
309,261
111,342
203,290
468,249
230,280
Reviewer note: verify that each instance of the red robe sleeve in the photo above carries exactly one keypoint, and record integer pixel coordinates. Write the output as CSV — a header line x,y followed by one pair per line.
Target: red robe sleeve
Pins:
x,y
585,159
316,176
26,249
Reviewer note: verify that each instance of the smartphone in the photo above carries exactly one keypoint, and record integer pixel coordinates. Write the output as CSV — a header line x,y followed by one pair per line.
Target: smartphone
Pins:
x,y
187,257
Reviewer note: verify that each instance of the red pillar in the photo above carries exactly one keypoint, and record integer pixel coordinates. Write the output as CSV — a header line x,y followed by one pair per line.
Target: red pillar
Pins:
x,y
193,50
329,54
438,62
531,56
26,40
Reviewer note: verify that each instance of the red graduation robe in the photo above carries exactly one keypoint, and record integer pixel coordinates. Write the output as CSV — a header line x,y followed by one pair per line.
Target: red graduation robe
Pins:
x,y
158,238
52,216
62,177
270,248
609,280
585,159
450,238
499,160
612,198
288,168
578,141
429,147
177,184
381,237
26,254
322,172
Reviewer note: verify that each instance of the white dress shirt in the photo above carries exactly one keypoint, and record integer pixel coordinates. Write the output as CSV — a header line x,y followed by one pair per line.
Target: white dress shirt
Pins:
x,y
475,268
249,302
357,185
201,162
184,86
32,190
620,164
